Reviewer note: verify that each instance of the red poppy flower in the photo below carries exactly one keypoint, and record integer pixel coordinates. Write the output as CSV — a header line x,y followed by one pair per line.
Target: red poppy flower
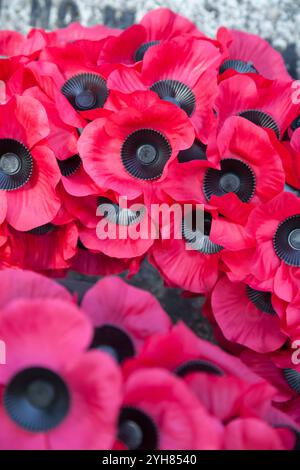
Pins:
x,y
153,399
123,322
142,142
249,53
180,71
52,397
189,252
44,248
28,169
156,26
268,104
247,316
274,263
13,43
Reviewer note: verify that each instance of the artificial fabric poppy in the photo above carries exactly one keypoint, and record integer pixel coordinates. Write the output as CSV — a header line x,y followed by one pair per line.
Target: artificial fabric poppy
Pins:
x,y
182,72
249,53
156,26
122,322
247,316
142,141
50,385
29,173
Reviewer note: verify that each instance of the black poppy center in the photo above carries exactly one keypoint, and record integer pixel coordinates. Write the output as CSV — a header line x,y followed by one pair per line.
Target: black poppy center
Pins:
x,y
85,91
292,377
69,166
261,119
286,241
240,66
296,123
42,229
141,51
196,152
193,366
16,164
116,342
145,153
176,92
196,227
137,430
119,215
37,399
261,300
235,176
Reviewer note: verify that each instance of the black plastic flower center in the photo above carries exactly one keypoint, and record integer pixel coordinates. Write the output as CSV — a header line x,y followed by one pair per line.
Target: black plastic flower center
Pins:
x,y
292,377
85,91
141,51
111,339
235,176
261,119
296,123
240,66
145,153
69,166
286,241
42,229
119,215
196,152
137,430
16,165
197,366
261,300
176,92
196,227
37,399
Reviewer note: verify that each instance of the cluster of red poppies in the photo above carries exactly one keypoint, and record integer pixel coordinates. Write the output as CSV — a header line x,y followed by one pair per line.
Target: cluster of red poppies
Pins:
x,y
162,115
115,374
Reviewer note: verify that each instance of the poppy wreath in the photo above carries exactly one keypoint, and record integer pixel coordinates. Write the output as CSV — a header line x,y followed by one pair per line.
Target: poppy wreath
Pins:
x,y
98,126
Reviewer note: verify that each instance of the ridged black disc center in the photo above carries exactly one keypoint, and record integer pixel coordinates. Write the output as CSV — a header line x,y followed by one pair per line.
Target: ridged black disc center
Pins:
x,y
37,399
42,229
197,366
145,153
235,176
195,231
177,93
137,430
261,300
69,166
85,91
141,51
286,241
118,215
261,119
114,341
292,377
16,165
238,65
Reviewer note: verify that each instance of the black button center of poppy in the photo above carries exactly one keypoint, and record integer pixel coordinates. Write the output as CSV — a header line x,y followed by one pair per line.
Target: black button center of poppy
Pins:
x,y
230,182
10,163
114,341
85,99
137,429
40,393
37,399
294,239
172,100
146,154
